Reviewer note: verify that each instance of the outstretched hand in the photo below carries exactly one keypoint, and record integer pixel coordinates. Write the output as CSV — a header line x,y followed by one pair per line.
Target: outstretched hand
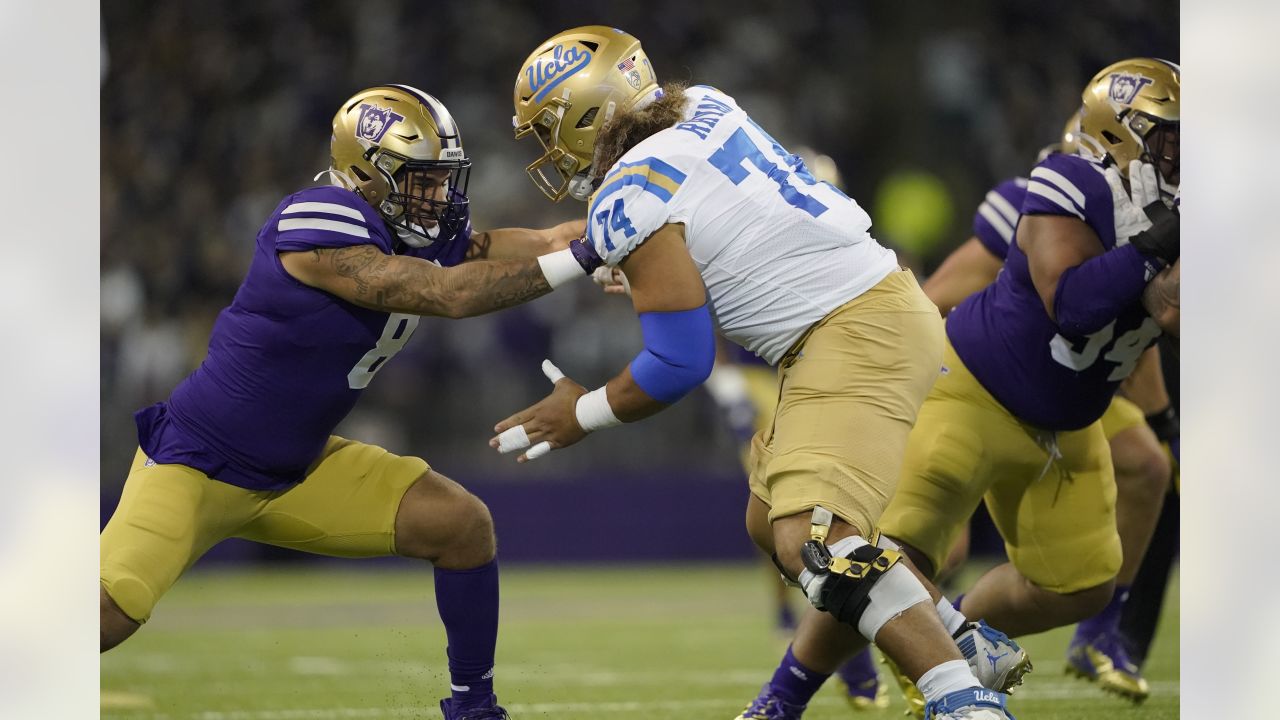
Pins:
x,y
550,424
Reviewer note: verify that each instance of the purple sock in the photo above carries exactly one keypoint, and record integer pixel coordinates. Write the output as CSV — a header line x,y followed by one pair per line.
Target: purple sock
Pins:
x,y
858,670
786,617
794,682
1106,622
468,605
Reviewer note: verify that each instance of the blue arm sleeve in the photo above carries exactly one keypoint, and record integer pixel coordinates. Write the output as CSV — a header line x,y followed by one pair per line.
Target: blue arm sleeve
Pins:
x,y
1096,291
679,351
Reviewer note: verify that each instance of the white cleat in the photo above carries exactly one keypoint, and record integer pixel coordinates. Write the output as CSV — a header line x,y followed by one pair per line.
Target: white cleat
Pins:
x,y
998,662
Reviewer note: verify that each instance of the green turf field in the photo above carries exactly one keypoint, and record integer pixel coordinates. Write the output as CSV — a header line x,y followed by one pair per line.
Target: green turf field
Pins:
x,y
653,642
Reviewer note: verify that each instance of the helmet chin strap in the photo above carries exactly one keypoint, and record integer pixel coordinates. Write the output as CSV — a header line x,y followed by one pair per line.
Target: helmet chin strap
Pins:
x,y
412,239
582,185
1089,147
338,179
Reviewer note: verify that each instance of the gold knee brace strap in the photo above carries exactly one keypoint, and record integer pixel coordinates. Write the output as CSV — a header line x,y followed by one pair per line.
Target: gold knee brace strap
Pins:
x,y
864,585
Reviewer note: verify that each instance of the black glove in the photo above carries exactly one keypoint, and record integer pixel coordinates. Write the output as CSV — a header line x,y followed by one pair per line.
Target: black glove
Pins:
x,y
1161,240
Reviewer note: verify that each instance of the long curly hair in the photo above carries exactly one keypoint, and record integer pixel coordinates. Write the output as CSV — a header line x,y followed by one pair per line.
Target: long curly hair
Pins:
x,y
624,131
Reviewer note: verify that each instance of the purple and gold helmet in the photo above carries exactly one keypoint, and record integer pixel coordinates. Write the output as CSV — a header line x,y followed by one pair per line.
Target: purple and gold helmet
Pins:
x,y
1131,112
385,139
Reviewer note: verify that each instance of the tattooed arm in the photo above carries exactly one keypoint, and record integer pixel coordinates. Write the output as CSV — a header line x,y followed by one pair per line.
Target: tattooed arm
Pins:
x,y
515,243
1162,298
365,276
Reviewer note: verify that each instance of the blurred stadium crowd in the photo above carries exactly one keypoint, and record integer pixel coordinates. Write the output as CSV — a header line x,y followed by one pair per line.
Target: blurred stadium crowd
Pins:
x,y
212,112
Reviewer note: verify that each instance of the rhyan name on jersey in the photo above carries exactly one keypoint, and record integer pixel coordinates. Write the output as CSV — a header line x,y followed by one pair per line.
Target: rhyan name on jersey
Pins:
x,y
705,116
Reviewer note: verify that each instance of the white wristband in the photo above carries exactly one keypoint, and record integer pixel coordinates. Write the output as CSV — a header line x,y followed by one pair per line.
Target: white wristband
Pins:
x,y
560,267
594,412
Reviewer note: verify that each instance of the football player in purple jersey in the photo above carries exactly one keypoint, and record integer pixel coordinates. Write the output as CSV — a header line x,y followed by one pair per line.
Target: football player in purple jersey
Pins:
x,y
1136,423
1038,355
244,446
1032,362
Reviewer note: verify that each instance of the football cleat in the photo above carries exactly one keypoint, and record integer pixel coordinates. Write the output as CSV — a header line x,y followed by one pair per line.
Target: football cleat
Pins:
x,y
1105,661
998,662
490,712
969,704
910,693
768,706
862,685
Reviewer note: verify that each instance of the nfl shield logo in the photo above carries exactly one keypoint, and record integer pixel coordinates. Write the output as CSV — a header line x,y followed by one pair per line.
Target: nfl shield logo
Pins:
x,y
1126,86
375,121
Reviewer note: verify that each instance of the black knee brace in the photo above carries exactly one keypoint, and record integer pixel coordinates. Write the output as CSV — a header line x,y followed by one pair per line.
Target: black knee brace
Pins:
x,y
847,589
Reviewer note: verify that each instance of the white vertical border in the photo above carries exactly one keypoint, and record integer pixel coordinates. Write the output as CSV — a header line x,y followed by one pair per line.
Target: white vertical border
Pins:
x,y
1231,487
49,191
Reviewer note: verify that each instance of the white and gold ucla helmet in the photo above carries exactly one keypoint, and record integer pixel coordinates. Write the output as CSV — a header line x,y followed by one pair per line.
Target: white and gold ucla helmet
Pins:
x,y
566,90
400,149
1131,113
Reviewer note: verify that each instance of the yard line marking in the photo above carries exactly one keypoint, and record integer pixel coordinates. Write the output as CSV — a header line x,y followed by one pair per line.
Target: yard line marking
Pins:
x,y
117,700
317,666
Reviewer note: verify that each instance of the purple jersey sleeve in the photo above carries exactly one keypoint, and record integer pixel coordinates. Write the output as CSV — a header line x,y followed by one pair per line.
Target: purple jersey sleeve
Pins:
x,y
326,217
447,251
1073,186
997,216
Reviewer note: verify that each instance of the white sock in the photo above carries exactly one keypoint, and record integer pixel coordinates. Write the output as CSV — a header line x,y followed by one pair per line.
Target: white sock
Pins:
x,y
952,618
949,677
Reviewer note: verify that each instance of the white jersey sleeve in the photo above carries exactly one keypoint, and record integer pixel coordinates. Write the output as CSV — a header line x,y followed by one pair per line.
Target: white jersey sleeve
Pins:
x,y
633,202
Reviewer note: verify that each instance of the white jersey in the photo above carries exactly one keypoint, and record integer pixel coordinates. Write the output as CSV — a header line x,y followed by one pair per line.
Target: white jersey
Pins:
x,y
777,249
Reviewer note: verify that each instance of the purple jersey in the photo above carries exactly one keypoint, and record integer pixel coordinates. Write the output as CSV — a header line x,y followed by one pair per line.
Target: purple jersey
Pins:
x,y
1007,340
286,361
997,216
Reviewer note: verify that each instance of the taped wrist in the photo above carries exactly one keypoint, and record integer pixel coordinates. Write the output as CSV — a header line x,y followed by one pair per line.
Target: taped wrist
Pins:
x,y
679,352
560,267
1095,292
859,584
1164,424
1162,239
594,412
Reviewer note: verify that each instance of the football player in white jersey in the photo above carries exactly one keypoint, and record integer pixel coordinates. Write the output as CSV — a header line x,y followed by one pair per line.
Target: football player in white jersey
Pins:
x,y
716,225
